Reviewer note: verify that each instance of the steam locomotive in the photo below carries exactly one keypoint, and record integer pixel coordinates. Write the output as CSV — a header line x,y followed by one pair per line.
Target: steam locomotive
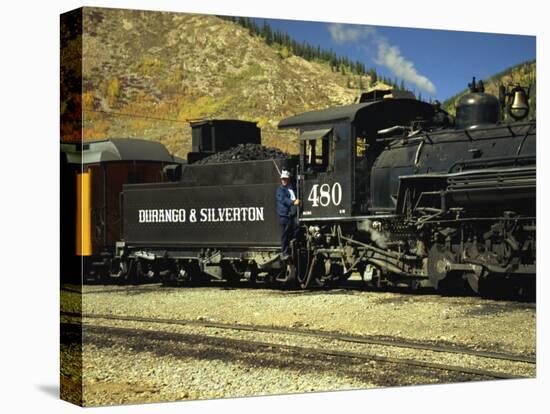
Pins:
x,y
392,188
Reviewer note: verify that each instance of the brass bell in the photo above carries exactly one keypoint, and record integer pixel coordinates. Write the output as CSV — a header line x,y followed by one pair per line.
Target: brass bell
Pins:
x,y
520,106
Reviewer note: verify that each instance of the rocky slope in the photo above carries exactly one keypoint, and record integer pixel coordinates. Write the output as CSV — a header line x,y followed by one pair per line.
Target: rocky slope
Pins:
x,y
147,74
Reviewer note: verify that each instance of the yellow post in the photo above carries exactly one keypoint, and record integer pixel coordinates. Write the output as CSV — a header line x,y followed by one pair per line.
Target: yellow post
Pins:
x,y
83,215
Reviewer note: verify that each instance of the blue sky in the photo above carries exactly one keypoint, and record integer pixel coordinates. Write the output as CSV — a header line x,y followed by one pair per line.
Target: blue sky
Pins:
x,y
437,63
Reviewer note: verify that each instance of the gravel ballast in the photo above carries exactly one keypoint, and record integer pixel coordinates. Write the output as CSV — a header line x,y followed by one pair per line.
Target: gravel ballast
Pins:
x,y
118,369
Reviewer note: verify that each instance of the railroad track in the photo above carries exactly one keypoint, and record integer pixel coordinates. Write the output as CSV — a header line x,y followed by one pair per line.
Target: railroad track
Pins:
x,y
344,338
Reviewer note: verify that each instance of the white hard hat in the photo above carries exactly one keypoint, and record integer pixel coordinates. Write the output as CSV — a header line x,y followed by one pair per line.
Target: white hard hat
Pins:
x,y
285,174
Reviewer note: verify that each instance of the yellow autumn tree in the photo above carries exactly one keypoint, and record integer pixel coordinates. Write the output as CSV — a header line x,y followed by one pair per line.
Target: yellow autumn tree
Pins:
x,y
113,92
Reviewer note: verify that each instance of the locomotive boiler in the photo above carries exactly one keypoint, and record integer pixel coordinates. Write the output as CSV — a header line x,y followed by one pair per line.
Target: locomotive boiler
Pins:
x,y
397,193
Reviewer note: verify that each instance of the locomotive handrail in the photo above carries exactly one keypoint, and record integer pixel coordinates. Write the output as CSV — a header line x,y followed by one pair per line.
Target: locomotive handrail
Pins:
x,y
470,138
471,134
508,126
520,147
514,158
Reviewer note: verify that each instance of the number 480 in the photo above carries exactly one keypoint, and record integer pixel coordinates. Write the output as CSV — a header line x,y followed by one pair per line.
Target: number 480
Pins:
x,y
324,194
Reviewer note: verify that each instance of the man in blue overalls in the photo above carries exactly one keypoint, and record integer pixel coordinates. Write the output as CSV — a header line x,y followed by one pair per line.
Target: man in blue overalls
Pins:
x,y
287,210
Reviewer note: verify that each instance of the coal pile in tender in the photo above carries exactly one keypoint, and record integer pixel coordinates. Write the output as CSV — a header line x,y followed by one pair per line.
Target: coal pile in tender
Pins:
x,y
245,152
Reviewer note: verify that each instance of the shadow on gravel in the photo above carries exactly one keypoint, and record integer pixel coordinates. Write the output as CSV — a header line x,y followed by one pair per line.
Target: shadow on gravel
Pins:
x,y
128,290
496,308
493,291
200,347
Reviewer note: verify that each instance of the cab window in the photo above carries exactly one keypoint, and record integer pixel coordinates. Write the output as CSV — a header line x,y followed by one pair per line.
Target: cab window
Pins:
x,y
318,154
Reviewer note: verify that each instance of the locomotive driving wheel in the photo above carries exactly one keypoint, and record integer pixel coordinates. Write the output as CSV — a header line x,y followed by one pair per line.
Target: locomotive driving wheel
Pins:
x,y
333,273
298,272
473,280
438,259
301,278
310,271
290,275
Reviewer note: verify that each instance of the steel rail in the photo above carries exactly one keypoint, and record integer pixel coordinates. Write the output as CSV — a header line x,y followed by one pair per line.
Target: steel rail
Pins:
x,y
316,351
318,334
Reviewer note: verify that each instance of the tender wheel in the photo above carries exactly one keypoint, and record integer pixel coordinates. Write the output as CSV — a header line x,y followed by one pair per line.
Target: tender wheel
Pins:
x,y
251,273
118,269
169,272
145,271
231,273
182,273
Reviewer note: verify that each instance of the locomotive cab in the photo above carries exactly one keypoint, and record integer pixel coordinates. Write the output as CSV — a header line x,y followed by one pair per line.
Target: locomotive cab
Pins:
x,y
324,179
338,147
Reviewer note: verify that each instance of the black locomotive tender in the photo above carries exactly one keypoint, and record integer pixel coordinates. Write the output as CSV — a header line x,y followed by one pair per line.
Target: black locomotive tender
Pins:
x,y
392,188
